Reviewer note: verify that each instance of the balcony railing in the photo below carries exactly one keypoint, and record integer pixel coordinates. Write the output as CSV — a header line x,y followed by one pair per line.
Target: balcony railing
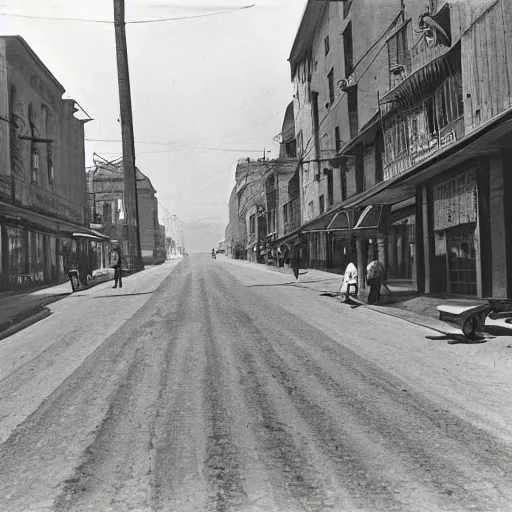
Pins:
x,y
422,146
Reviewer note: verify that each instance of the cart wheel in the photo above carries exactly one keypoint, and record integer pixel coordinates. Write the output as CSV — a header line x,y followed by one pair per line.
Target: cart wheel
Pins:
x,y
469,327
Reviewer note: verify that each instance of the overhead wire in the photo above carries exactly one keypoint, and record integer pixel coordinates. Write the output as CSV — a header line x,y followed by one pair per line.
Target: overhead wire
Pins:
x,y
134,22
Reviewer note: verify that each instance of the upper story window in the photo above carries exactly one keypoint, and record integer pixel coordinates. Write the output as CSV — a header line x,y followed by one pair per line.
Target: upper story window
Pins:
x,y
300,147
433,5
107,212
337,139
348,48
353,118
34,156
330,79
322,204
346,8
327,45
399,61
47,127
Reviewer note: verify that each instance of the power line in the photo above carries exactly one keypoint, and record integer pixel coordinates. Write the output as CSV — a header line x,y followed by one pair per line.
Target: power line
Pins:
x,y
176,146
134,22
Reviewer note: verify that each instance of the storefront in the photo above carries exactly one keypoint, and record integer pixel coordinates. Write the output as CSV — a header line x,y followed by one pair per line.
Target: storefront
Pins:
x,y
456,234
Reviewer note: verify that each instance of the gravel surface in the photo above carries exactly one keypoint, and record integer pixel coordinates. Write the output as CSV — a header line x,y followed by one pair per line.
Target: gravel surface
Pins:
x,y
209,385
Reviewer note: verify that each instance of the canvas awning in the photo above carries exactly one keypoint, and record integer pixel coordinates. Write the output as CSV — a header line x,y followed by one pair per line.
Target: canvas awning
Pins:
x,y
38,221
319,224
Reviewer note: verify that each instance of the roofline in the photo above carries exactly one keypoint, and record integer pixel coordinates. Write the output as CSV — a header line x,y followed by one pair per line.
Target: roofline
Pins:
x,y
38,61
311,5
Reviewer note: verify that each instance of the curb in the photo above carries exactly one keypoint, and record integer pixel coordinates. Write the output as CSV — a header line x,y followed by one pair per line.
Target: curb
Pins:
x,y
31,317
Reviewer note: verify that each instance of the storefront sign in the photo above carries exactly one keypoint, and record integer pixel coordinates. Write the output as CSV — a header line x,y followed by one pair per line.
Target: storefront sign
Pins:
x,y
455,202
422,146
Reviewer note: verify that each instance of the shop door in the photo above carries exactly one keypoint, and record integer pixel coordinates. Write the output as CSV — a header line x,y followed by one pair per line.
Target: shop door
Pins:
x,y
461,248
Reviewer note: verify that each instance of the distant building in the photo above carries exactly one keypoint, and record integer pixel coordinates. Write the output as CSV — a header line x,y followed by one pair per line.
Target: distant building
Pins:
x,y
105,184
43,199
174,233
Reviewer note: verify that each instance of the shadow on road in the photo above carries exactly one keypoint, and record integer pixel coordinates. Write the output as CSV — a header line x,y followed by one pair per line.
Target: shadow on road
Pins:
x,y
114,295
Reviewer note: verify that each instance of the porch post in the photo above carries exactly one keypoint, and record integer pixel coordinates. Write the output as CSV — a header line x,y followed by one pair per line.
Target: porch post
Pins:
x,y
426,237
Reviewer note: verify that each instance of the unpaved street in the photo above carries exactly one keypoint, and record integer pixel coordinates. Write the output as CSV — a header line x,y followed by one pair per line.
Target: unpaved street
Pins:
x,y
222,386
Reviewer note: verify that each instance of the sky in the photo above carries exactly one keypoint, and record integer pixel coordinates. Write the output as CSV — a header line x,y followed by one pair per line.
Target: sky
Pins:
x,y
205,91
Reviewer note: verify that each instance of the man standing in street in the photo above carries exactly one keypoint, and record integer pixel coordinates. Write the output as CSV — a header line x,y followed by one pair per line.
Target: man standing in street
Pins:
x,y
117,264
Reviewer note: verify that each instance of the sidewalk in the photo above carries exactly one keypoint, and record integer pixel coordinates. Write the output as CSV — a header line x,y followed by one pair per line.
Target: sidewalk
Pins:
x,y
404,303
18,310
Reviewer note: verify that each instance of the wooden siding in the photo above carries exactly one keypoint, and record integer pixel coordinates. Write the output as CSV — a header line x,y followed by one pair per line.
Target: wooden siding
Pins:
x,y
487,65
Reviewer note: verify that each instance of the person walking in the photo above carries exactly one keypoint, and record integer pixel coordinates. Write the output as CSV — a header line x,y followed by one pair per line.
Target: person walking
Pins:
x,y
375,276
116,263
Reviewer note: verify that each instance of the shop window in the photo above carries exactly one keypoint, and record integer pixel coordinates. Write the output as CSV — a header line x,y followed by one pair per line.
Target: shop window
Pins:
x,y
17,256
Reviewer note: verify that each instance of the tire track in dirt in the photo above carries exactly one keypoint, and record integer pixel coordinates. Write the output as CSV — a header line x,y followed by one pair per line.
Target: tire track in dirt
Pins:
x,y
119,456
448,484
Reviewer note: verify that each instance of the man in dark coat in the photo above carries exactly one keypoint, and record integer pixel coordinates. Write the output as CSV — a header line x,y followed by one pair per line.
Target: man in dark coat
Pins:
x,y
117,264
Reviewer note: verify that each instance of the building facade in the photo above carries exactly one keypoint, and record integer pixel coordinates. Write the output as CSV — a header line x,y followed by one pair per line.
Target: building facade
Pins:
x,y
43,199
105,183
402,121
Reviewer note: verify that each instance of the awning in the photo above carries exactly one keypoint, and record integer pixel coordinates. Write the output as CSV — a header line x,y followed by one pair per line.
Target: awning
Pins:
x,y
340,222
97,237
319,224
37,221
417,86
374,217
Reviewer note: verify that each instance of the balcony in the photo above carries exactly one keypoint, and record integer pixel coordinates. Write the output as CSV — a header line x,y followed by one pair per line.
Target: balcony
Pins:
x,y
420,147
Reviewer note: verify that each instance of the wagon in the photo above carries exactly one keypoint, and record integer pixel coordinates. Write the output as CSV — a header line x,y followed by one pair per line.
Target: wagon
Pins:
x,y
471,319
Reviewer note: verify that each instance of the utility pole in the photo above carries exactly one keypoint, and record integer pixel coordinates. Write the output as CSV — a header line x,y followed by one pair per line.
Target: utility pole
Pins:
x,y
131,205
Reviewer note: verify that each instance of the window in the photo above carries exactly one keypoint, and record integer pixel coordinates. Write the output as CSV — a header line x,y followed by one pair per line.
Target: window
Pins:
x,y
107,212
35,163
34,157
285,213
330,79
322,204
299,144
46,117
343,185
327,45
330,188
346,8
310,209
348,49
398,56
359,165
379,154
337,140
352,112
252,224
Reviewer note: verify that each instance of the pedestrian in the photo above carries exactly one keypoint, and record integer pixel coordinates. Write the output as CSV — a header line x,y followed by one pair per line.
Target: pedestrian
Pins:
x,y
375,276
349,284
117,264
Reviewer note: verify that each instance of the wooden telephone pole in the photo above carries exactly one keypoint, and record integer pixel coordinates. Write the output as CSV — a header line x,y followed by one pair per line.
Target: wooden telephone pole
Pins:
x,y
131,206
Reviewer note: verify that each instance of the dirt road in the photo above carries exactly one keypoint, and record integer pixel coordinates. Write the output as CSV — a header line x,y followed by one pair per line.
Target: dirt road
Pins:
x,y
226,388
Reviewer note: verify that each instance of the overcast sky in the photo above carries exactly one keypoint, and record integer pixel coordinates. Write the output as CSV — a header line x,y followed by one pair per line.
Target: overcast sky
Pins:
x,y
214,83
